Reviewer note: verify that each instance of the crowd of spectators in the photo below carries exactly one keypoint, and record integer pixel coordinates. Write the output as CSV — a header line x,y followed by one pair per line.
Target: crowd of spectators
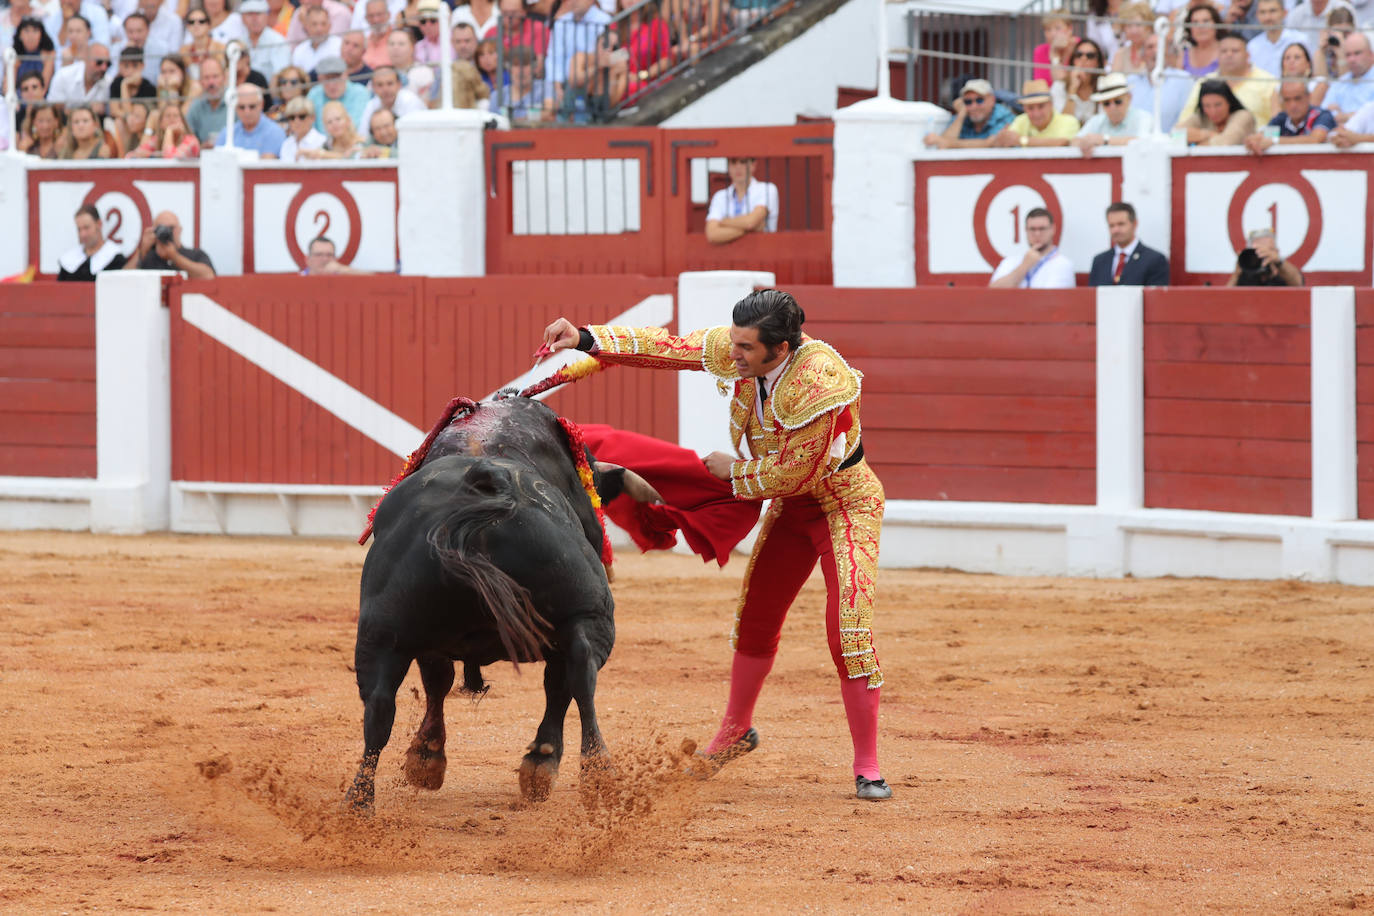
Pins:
x,y
1251,73
129,62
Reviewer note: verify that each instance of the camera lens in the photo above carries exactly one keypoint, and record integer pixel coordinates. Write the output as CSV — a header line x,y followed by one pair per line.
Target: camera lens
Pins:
x,y
163,233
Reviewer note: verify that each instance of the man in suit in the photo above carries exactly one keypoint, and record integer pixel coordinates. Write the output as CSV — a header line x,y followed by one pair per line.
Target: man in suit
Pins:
x,y
1127,262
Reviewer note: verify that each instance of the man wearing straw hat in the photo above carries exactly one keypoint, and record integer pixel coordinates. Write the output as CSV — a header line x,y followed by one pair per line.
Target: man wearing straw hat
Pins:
x,y
1117,122
1041,125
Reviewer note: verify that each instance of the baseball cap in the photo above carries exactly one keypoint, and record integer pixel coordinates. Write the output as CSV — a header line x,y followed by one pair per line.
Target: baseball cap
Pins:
x,y
331,65
977,87
254,6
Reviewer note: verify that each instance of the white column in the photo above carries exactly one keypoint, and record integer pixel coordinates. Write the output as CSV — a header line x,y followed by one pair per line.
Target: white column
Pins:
x,y
705,299
220,232
441,181
133,403
1147,182
14,203
873,229
1120,398
1334,486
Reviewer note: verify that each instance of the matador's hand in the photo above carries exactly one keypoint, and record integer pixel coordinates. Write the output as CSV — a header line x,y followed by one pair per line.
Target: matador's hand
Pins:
x,y
561,335
718,463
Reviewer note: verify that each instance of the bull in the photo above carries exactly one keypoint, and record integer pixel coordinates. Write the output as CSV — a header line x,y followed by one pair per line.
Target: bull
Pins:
x,y
490,550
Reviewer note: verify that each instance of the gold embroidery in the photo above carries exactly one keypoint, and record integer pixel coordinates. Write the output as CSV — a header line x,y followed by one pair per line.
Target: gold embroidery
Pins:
x,y
817,381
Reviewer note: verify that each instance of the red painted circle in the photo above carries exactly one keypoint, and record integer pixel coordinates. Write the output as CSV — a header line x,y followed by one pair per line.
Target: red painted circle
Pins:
x,y
334,188
117,183
997,186
1305,190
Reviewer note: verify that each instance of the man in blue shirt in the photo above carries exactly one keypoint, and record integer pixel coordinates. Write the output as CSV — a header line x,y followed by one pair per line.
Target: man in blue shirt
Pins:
x,y
1299,122
1356,87
979,121
253,131
571,60
335,86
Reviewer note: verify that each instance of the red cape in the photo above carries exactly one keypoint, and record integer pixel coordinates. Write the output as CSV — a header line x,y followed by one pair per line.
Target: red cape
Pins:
x,y
700,505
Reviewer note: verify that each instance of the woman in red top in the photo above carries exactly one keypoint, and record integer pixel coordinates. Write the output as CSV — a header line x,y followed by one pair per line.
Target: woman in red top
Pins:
x,y
643,50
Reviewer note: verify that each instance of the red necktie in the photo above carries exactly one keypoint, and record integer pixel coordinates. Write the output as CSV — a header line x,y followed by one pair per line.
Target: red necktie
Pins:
x,y
1120,263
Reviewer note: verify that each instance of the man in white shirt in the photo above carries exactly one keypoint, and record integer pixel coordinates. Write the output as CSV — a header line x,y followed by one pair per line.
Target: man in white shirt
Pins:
x,y
1042,265
1266,48
320,43
1309,17
1118,122
83,81
746,206
391,95
165,33
360,21
1359,129
340,20
267,49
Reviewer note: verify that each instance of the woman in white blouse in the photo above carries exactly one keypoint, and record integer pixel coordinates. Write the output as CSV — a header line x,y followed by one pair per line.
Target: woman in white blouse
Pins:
x,y
299,120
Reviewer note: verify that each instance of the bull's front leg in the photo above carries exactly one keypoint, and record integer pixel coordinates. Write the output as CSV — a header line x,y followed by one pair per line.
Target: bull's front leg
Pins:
x,y
380,673
425,760
589,643
539,767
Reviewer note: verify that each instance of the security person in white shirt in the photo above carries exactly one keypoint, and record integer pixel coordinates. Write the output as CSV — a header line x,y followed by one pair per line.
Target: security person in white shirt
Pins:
x,y
746,206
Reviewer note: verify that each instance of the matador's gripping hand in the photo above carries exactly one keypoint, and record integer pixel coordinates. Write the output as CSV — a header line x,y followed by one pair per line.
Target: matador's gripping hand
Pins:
x,y
561,335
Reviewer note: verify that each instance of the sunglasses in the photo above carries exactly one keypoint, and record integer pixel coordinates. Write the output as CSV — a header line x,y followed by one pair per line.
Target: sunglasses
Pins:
x,y
1078,54
1112,103
299,116
197,21
974,100
291,82
100,62
428,19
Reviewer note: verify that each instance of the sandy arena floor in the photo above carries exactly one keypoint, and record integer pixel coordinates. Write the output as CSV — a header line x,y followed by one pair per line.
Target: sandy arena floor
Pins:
x,y
180,719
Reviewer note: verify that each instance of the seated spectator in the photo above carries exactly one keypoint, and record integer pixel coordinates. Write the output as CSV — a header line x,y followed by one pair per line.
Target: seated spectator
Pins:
x,y
301,135
74,37
84,139
84,81
1354,88
1252,86
464,39
321,260
1359,129
129,84
351,48
318,43
174,83
746,205
1074,93
1174,85
41,131
694,25
427,48
1299,122
93,252
170,138
1102,29
133,126
519,99
377,18
400,48
1267,48
1119,122
289,84
245,75
1138,25
468,89
1040,124
1220,119
340,21
207,115
568,68
517,30
1296,64
254,131
268,51
390,96
1042,265
382,129
481,16
37,53
1058,47
341,140
487,60
1201,55
201,44
978,121
641,49
1311,16
1261,264
31,90
225,25
335,86
160,248
1328,54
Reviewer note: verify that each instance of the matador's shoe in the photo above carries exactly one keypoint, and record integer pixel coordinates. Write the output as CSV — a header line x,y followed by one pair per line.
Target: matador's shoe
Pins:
x,y
704,766
872,789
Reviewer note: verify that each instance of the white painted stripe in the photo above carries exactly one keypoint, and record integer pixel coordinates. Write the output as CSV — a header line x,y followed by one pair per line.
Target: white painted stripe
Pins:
x,y
650,312
281,362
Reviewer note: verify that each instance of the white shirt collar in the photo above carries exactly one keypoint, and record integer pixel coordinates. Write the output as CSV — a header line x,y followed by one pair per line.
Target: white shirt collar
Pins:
x,y
770,379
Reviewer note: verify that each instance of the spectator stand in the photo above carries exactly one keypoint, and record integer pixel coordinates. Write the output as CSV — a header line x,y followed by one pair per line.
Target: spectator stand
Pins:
x,y
555,196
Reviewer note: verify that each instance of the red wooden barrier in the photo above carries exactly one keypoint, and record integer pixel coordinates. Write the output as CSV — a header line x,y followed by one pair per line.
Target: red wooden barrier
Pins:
x,y
991,400
1227,400
47,380
1364,398
409,344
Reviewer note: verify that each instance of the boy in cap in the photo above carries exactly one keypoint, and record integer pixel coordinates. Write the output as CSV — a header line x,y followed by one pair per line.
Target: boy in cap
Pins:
x,y
978,119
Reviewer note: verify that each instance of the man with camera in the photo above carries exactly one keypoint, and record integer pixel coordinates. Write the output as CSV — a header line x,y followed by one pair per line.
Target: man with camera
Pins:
x,y
160,249
1262,265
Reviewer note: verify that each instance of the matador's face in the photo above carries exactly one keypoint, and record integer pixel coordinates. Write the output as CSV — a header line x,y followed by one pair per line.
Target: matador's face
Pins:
x,y
752,358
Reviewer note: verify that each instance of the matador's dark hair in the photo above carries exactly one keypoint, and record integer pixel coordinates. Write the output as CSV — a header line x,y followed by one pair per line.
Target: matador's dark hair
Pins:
x,y
776,315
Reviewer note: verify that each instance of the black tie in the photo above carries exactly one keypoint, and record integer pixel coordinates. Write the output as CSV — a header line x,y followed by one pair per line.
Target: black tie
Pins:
x,y
763,391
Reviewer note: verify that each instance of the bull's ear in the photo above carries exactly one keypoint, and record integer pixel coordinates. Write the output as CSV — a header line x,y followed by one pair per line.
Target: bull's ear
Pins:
x,y
609,480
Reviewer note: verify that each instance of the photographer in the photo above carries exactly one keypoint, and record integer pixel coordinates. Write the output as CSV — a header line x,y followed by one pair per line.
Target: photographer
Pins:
x,y
160,249
1262,265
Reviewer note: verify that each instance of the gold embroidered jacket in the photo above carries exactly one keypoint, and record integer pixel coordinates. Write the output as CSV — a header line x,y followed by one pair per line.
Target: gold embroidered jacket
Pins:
x,y
812,413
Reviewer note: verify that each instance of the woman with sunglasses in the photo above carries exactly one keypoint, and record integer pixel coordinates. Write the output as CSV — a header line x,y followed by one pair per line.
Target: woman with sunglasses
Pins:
x,y
289,83
83,139
301,136
1073,94
201,45
174,83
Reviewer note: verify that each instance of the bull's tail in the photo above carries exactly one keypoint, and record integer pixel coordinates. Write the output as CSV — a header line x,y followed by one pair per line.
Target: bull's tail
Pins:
x,y
456,544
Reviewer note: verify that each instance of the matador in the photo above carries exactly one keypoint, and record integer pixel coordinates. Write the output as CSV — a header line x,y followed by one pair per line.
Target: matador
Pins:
x,y
794,424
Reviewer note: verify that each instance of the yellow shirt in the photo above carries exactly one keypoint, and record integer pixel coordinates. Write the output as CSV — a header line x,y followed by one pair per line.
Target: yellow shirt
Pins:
x,y
1255,91
1061,127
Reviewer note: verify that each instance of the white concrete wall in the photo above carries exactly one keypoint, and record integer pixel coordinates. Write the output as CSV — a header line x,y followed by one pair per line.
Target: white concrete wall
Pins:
x,y
802,77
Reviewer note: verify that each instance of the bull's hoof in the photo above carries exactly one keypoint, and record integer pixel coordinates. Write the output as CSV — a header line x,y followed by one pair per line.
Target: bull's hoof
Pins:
x,y
538,772
425,764
358,801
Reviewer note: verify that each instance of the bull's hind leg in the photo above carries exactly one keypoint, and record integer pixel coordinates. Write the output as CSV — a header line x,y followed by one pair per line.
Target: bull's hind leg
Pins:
x,y
539,767
380,674
425,760
589,643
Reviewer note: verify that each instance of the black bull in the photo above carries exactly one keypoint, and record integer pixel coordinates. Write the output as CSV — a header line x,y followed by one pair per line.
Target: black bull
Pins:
x,y
490,551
